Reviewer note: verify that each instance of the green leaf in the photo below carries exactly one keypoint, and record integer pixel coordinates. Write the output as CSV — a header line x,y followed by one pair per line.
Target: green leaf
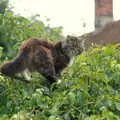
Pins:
x,y
117,106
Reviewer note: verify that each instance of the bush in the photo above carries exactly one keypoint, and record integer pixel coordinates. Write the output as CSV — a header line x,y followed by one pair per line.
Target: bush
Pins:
x,y
14,29
87,90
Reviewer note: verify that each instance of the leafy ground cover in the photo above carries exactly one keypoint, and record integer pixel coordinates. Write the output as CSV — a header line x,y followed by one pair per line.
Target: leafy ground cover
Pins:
x,y
87,90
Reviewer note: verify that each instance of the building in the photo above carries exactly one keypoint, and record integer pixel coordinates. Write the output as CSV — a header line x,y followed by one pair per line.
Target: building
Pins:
x,y
103,13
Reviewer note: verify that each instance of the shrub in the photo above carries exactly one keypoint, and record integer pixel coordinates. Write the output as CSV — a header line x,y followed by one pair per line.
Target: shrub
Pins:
x,y
88,90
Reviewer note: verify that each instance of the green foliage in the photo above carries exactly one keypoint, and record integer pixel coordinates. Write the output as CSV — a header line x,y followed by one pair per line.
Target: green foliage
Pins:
x,y
14,29
87,90
1,52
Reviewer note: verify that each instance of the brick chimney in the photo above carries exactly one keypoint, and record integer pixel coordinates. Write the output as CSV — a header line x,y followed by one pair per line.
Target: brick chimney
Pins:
x,y
103,13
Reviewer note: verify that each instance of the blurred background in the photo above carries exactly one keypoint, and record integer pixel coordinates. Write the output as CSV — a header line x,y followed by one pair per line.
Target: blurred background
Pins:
x,y
70,14
52,19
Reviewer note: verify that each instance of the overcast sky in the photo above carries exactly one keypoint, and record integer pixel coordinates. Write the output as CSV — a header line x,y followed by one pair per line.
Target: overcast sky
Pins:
x,y
70,14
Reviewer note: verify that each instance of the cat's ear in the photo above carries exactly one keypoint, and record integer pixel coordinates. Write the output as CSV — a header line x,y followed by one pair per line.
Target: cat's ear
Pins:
x,y
69,36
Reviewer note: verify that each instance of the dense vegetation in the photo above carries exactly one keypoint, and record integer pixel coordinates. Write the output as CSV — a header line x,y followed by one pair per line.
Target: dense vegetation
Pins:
x,y
87,90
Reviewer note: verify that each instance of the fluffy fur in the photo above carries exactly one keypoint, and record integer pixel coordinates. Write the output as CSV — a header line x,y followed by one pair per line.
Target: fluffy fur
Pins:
x,y
72,46
50,59
38,55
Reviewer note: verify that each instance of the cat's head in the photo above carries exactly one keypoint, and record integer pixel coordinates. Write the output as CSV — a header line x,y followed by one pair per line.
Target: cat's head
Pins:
x,y
72,46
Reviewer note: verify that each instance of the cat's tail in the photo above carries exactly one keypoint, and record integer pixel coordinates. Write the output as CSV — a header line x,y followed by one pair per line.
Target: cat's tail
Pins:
x,y
17,65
